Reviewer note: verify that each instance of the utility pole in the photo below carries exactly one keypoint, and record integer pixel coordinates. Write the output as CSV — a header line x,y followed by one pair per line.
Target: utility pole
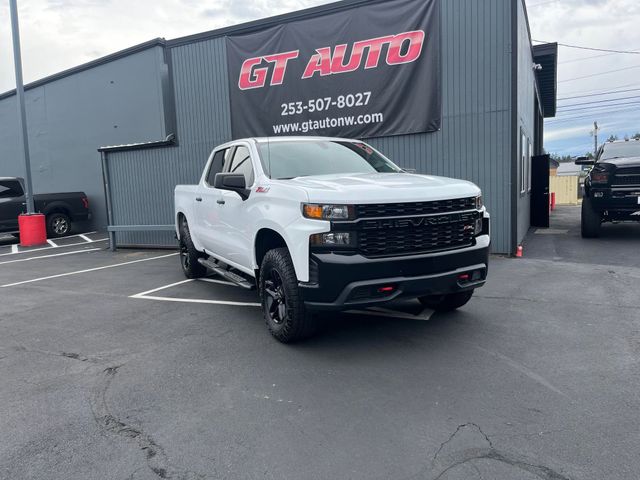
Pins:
x,y
595,139
22,116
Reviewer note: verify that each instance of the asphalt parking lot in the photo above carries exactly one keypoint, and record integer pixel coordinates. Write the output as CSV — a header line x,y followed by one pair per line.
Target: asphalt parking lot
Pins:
x,y
115,367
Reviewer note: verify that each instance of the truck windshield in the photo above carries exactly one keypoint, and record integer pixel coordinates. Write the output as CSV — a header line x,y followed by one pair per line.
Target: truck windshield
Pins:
x,y
620,150
291,159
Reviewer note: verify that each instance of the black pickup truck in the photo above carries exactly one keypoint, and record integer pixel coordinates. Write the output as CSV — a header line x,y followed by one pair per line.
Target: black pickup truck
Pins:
x,y
61,209
612,187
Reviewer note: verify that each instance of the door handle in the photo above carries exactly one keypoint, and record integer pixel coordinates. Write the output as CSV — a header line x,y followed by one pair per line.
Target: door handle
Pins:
x,y
198,199
220,202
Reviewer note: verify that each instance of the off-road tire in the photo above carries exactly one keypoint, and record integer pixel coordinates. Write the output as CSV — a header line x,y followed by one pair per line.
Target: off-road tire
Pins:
x,y
189,255
590,221
446,303
297,322
58,225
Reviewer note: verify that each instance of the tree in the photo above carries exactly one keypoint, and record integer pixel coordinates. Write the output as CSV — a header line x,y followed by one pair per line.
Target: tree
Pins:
x,y
612,138
636,136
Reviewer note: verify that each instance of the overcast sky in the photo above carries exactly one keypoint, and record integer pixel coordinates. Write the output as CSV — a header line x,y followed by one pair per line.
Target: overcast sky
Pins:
x,y
58,34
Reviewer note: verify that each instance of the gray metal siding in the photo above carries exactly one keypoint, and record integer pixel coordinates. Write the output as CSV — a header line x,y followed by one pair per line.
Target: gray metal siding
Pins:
x,y
142,181
68,118
475,140
525,112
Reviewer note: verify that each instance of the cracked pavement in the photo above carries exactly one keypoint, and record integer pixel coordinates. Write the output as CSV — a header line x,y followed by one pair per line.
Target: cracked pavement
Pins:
x,y
537,378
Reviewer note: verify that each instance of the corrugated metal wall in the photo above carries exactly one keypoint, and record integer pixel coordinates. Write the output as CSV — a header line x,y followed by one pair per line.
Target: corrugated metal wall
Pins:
x,y
526,120
474,142
70,117
142,181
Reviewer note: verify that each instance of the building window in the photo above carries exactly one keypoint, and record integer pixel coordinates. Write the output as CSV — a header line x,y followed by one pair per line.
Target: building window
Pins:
x,y
523,162
529,157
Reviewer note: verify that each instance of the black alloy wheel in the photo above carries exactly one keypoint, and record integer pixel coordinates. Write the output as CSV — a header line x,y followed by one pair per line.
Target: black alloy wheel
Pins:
x,y
276,298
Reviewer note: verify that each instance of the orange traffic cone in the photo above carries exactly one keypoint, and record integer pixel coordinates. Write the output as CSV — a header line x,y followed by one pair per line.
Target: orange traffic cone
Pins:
x,y
519,251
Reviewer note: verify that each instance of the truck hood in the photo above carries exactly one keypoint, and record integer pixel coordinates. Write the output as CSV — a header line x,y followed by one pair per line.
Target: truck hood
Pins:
x,y
383,188
623,162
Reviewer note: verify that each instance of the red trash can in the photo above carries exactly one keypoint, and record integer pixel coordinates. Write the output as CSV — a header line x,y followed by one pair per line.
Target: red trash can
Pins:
x,y
33,230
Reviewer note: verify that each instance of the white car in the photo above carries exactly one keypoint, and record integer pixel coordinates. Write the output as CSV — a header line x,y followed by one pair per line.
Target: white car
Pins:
x,y
320,223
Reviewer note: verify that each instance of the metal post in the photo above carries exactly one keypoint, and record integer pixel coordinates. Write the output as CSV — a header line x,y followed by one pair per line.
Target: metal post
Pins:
x,y
107,197
595,139
22,115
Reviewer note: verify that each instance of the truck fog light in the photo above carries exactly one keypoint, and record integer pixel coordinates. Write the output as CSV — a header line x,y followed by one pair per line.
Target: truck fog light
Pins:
x,y
332,239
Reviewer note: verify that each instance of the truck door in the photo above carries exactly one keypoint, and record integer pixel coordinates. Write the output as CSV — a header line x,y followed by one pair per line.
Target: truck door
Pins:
x,y
235,238
207,204
11,204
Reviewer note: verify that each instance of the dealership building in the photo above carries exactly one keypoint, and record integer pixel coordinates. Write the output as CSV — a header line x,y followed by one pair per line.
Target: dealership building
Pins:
x,y
444,87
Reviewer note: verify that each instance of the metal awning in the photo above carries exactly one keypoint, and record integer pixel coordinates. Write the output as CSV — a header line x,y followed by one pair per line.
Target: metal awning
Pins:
x,y
546,55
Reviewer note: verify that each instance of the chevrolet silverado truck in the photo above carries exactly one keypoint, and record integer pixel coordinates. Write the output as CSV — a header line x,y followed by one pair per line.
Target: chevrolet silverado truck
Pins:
x,y
318,223
612,186
61,210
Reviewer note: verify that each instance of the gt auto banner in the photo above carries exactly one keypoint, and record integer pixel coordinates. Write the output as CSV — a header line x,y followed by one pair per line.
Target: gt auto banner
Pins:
x,y
372,70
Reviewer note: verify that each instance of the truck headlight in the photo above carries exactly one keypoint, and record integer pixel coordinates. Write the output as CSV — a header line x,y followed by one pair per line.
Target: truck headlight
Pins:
x,y
327,212
479,203
601,178
332,239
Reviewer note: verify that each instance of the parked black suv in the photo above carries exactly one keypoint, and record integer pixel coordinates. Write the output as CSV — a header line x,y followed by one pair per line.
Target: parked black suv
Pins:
x,y
60,209
612,187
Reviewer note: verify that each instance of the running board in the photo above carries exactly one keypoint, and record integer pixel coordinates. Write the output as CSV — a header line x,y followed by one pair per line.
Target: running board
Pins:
x,y
239,280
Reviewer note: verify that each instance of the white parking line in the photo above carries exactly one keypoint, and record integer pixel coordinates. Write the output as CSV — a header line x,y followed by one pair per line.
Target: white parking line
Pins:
x,y
142,294
87,270
51,242
146,296
424,315
52,255
15,251
84,237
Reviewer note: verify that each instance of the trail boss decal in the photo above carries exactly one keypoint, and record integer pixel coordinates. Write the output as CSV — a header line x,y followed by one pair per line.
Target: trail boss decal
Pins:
x,y
368,71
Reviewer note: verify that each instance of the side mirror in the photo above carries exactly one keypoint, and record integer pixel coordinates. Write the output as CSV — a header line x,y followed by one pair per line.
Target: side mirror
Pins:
x,y
234,182
584,161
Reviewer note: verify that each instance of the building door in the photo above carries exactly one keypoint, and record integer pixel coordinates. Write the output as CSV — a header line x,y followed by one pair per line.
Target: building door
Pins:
x,y
540,191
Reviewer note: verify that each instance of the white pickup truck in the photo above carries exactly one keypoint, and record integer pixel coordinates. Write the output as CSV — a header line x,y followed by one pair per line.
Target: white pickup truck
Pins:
x,y
320,223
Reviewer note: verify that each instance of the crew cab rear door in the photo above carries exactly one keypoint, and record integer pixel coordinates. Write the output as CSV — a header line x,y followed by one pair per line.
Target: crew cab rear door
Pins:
x,y
235,213
11,204
208,201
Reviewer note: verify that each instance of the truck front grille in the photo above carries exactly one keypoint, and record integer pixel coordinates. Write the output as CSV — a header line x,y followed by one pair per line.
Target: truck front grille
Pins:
x,y
626,177
415,208
407,241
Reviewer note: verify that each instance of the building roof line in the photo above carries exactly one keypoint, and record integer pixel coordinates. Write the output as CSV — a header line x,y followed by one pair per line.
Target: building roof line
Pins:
x,y
89,65
263,23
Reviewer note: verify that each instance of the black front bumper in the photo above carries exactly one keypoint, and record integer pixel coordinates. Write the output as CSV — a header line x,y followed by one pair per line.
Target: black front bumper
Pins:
x,y
344,281
616,204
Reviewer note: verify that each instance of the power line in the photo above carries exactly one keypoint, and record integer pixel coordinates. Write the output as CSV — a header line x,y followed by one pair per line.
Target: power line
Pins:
x,y
600,114
564,107
604,90
581,47
598,74
599,94
592,57
624,104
